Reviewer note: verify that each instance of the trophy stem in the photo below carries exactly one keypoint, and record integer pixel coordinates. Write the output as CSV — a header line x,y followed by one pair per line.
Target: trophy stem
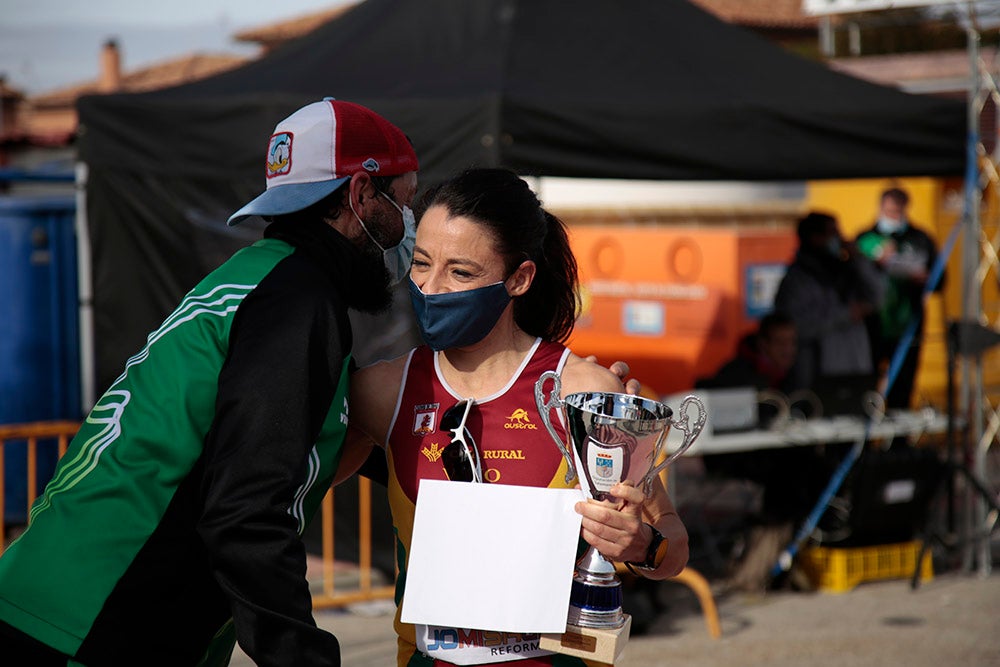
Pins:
x,y
594,564
596,596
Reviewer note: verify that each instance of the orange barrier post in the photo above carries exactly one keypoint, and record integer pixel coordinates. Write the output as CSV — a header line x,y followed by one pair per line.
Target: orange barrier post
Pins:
x,y
699,586
366,591
62,431
695,580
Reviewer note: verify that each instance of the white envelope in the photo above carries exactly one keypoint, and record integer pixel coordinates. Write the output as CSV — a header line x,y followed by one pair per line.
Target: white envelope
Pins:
x,y
492,557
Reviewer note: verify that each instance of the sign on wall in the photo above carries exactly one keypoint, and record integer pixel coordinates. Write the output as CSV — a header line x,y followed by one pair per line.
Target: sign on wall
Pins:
x,y
762,282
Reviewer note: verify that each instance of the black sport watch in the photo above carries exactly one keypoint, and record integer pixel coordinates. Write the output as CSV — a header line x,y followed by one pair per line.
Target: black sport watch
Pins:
x,y
655,554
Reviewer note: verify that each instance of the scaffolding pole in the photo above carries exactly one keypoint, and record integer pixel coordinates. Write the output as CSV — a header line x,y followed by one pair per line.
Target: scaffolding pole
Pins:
x,y
979,261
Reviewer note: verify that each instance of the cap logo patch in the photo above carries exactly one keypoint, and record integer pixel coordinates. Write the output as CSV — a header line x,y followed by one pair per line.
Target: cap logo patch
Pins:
x,y
279,154
371,164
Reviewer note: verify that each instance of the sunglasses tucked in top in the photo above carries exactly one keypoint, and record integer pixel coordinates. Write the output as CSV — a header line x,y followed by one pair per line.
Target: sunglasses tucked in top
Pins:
x,y
461,457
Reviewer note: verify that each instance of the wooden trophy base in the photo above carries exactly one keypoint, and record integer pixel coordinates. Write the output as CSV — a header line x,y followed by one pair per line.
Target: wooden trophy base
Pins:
x,y
604,645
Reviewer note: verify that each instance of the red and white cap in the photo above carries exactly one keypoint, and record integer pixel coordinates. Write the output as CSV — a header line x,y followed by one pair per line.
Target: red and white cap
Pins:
x,y
318,148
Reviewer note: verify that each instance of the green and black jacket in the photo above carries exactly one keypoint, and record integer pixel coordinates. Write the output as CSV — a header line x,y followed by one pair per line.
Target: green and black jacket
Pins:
x,y
176,514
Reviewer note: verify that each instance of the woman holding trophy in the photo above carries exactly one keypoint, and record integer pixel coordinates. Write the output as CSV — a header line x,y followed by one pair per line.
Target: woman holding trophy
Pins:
x,y
493,284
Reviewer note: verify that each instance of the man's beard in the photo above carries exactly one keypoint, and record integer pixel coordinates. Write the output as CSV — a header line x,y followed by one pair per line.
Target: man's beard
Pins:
x,y
372,292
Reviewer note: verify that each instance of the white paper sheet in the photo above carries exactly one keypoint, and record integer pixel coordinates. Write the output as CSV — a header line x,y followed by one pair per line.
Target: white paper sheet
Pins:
x,y
492,557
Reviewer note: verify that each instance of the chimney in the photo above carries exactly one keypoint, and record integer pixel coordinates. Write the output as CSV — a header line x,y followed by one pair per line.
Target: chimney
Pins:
x,y
110,77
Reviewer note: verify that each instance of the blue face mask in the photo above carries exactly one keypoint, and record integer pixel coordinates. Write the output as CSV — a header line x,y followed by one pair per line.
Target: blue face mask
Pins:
x,y
457,319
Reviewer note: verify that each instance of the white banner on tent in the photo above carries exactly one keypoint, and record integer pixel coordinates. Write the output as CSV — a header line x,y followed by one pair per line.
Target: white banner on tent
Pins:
x,y
819,7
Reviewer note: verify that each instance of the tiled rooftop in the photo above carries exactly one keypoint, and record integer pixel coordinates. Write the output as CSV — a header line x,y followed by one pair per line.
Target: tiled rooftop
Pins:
x,y
761,13
160,75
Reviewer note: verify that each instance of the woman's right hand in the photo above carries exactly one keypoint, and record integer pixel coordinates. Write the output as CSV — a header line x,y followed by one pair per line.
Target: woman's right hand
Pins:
x,y
621,370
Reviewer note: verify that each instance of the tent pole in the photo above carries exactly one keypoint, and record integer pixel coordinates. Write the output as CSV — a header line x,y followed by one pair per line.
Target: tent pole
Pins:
x,y
827,41
85,292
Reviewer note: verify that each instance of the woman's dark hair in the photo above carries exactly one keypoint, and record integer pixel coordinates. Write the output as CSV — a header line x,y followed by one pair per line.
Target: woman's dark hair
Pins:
x,y
502,202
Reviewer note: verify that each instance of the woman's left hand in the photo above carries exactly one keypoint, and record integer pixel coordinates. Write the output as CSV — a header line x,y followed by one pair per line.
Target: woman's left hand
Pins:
x,y
615,528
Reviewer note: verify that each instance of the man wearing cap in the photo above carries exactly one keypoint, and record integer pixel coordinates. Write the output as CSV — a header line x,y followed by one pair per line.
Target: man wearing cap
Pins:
x,y
173,522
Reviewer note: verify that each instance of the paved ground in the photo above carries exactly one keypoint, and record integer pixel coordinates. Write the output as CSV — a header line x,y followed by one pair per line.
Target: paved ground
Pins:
x,y
952,620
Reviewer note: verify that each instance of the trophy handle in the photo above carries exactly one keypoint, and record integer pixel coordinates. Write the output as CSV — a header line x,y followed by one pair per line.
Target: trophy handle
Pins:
x,y
691,433
544,408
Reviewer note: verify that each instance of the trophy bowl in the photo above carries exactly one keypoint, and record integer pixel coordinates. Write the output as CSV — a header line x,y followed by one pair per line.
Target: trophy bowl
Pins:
x,y
617,437
613,437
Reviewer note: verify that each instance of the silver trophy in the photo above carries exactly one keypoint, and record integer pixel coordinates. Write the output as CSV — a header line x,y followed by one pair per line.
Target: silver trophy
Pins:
x,y
616,438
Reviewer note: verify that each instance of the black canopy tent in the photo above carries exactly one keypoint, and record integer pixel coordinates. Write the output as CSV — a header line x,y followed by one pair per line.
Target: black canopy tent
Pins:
x,y
595,88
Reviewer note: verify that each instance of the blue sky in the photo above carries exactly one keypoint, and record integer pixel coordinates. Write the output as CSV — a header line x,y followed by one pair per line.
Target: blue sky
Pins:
x,y
48,44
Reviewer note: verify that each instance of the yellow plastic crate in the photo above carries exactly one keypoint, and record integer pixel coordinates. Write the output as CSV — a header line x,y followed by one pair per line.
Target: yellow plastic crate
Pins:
x,y
838,570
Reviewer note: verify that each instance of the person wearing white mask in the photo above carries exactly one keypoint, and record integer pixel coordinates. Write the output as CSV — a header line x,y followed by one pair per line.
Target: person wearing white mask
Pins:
x,y
173,524
904,255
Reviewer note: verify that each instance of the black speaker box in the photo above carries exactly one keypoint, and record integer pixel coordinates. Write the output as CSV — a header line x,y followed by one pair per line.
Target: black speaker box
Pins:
x,y
887,497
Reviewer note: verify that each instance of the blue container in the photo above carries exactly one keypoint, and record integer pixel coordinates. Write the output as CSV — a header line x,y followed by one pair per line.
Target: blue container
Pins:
x,y
39,331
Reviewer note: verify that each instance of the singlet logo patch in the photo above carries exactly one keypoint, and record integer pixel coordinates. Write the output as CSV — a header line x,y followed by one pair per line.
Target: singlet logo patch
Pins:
x,y
279,154
519,421
433,453
425,418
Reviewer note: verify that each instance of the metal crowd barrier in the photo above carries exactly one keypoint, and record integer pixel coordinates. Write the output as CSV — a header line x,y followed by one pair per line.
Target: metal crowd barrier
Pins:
x,y
328,596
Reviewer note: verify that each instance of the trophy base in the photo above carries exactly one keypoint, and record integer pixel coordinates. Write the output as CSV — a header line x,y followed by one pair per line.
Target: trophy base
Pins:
x,y
597,620
596,602
603,645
